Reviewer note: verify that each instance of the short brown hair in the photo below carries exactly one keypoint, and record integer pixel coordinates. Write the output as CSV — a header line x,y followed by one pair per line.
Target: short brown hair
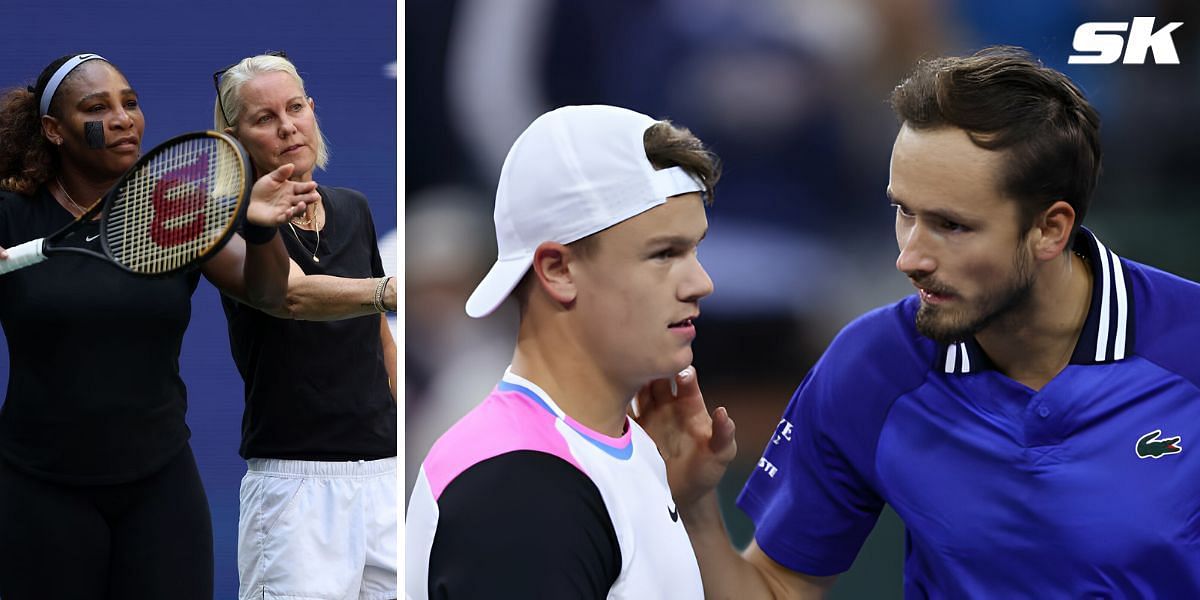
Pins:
x,y
669,145
1008,101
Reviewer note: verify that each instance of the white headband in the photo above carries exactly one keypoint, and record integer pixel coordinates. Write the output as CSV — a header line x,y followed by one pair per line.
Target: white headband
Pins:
x,y
59,75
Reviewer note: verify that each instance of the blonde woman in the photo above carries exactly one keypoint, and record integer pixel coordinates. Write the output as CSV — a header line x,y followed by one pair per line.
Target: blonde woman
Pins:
x,y
318,503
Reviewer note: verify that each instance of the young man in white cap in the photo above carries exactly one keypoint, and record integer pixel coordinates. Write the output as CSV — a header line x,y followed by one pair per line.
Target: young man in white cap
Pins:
x,y
547,489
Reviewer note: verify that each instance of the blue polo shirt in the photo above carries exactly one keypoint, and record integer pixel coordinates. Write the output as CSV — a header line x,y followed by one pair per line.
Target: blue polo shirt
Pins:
x,y
1089,487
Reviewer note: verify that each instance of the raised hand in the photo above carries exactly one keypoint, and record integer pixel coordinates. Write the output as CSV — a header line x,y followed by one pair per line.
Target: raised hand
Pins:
x,y
274,199
696,446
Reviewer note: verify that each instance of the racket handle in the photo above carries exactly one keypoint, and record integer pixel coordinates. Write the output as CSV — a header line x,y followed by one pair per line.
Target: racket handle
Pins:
x,y
23,255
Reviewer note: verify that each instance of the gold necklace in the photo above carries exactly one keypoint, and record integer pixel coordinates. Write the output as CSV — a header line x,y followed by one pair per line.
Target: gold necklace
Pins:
x,y
307,220
69,198
317,230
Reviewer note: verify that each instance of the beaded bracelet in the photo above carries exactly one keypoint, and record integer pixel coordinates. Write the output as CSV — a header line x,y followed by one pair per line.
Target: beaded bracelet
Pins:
x,y
379,290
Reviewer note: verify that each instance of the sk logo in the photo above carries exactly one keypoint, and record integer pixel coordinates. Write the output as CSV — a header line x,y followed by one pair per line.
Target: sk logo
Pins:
x,y
1149,446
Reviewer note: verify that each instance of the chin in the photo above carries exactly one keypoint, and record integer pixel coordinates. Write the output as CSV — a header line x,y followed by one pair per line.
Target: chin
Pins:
x,y
116,170
682,360
947,329
303,167
664,369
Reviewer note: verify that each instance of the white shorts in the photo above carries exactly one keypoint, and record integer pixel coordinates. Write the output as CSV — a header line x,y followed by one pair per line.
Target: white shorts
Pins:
x,y
318,530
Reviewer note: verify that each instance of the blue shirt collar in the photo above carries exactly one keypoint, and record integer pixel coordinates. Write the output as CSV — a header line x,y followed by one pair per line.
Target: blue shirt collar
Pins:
x,y
1107,334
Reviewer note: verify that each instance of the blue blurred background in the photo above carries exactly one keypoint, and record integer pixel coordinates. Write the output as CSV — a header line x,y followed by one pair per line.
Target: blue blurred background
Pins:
x,y
792,94
346,53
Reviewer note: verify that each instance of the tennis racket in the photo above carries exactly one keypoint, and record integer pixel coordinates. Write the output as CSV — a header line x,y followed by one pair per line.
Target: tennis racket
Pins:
x,y
174,208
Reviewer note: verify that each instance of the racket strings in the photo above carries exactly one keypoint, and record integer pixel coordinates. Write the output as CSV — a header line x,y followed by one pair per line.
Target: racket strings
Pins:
x,y
177,206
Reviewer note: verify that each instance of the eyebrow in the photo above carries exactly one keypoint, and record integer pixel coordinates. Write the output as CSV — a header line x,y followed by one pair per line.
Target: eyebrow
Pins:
x,y
299,98
947,214
676,240
123,92
288,101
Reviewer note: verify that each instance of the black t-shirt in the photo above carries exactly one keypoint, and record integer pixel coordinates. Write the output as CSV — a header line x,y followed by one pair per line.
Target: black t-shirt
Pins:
x,y
317,390
94,393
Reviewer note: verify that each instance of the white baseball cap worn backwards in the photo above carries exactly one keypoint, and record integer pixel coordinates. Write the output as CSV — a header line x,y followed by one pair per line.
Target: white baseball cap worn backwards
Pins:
x,y
573,172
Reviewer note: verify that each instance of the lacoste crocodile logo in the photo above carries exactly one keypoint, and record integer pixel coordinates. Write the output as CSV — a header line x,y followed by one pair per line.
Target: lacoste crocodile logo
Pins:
x,y
1149,446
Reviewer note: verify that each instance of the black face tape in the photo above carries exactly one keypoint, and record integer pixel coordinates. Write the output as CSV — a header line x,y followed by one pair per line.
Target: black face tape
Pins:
x,y
94,132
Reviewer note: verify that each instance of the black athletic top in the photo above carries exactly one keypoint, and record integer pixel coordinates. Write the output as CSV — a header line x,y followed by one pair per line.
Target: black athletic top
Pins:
x,y
94,393
317,390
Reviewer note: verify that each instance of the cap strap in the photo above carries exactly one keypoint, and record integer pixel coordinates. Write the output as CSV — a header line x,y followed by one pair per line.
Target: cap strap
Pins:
x,y
674,181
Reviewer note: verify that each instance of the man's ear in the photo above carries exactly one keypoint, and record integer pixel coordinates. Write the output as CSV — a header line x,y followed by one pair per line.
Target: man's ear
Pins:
x,y
1052,230
552,267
